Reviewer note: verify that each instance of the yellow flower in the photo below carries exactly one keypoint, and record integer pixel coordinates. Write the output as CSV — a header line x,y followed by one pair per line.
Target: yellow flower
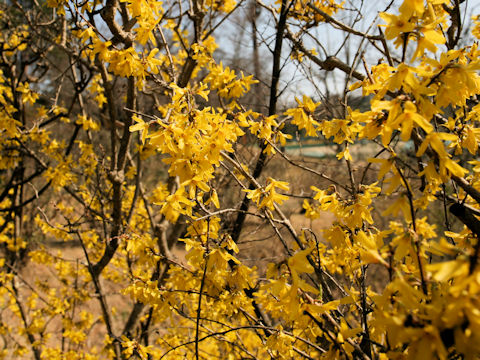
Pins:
x,y
396,25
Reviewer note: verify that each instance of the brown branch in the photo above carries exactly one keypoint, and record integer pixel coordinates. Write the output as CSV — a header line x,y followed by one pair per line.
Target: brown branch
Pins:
x,y
469,189
108,15
199,309
329,64
101,298
416,240
30,337
342,26
272,109
117,178
467,217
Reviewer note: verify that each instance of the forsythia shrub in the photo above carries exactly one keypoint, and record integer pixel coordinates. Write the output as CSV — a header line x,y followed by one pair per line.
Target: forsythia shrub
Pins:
x,y
122,135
